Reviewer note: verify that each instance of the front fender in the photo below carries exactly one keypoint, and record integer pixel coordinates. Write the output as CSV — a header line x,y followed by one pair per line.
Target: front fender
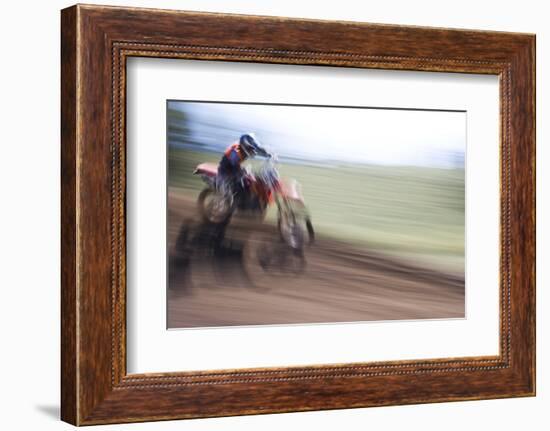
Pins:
x,y
291,190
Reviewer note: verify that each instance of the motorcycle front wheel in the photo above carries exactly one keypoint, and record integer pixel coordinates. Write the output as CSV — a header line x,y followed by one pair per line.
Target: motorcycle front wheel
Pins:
x,y
295,228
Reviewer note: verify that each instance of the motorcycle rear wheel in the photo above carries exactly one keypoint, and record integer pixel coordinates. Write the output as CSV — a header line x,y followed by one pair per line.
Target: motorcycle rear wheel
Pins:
x,y
214,208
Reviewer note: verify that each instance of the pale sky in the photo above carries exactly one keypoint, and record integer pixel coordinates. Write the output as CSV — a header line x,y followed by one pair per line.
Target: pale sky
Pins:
x,y
346,134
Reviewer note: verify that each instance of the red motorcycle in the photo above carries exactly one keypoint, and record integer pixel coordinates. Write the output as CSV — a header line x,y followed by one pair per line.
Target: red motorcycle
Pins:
x,y
217,202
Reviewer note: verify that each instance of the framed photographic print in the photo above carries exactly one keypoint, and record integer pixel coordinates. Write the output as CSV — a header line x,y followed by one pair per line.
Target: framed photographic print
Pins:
x,y
264,214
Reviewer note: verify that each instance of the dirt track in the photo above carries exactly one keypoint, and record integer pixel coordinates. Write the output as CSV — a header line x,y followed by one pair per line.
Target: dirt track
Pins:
x,y
213,280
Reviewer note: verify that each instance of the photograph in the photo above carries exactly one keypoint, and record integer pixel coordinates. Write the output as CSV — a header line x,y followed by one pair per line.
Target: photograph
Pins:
x,y
281,214
302,214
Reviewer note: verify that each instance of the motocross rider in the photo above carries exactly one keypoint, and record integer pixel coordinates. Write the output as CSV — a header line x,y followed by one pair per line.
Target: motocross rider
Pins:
x,y
229,168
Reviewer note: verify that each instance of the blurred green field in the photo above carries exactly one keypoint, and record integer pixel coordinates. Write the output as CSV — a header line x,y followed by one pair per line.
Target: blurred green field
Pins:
x,y
414,213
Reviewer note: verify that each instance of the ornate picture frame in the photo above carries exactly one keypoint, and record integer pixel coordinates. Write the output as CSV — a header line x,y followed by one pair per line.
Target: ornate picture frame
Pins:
x,y
96,41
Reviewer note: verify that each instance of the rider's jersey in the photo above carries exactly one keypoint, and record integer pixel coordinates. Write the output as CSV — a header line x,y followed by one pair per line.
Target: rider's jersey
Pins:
x,y
232,158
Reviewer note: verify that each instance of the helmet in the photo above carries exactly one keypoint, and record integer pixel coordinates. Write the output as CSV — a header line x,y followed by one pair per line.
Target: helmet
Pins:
x,y
250,144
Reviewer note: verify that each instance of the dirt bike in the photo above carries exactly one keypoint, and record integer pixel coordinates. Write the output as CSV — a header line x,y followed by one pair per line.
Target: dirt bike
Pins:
x,y
217,202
